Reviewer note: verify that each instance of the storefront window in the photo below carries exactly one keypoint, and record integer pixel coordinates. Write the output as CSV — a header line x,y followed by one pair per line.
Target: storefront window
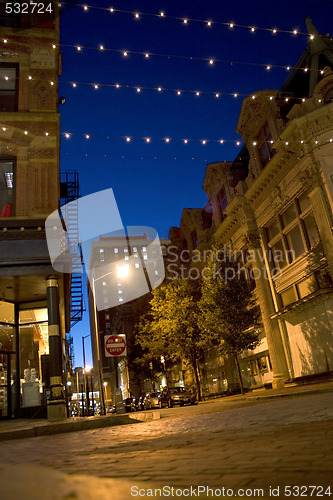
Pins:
x,y
34,344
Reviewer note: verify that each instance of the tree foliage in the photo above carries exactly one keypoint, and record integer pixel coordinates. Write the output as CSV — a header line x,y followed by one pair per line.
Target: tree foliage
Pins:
x,y
229,311
171,327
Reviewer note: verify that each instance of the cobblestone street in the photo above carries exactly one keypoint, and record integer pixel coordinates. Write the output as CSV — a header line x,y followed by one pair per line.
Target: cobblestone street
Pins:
x,y
252,444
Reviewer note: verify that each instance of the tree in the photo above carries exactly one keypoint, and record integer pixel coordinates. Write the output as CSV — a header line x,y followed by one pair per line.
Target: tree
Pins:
x,y
229,311
171,328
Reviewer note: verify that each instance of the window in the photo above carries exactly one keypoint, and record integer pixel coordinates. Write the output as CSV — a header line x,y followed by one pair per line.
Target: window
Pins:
x,y
265,148
6,187
8,87
222,201
194,238
292,233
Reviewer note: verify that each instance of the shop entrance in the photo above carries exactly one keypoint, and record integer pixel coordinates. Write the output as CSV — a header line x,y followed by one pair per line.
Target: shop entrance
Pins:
x,y
7,384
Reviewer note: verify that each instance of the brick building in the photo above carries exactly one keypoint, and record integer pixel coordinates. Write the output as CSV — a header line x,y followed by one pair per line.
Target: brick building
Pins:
x,y
34,300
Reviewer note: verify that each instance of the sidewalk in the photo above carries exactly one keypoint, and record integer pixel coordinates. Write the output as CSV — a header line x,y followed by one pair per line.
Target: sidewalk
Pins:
x,y
19,429
289,390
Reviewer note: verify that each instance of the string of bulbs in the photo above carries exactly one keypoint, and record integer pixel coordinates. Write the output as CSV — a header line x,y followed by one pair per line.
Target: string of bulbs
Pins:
x,y
209,60
167,140
178,92
147,55
209,23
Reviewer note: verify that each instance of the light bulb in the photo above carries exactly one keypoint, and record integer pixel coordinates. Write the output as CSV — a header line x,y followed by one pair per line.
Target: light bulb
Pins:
x,y
253,97
146,54
268,68
136,15
111,10
78,48
167,139
29,77
286,99
254,144
159,89
235,95
197,93
5,40
162,14
209,23
54,46
125,54
74,85
148,139
25,132
211,61
203,142
306,70
46,133
101,47
237,143
85,7
87,136
253,30
217,95
221,141
185,141
67,136
295,32
128,139
138,89
231,25
117,85
185,21
178,92
274,31
288,68
96,87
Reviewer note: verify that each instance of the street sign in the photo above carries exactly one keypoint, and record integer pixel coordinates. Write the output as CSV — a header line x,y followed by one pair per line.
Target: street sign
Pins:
x,y
115,345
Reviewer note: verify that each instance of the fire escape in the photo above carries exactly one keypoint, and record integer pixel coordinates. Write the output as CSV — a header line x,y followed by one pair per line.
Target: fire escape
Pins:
x,y
69,194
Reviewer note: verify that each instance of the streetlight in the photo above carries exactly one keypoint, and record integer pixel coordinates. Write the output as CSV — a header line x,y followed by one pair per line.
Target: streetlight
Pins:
x,y
106,394
85,373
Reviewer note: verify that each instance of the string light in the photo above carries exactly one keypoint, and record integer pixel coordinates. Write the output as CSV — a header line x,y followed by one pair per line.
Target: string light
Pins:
x,y
69,135
211,61
186,20
101,47
178,92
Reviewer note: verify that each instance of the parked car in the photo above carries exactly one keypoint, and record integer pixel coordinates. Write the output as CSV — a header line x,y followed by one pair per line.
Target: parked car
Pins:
x,y
129,404
139,403
177,396
152,400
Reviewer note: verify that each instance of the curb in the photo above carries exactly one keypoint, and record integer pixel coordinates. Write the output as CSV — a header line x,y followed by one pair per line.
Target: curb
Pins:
x,y
65,426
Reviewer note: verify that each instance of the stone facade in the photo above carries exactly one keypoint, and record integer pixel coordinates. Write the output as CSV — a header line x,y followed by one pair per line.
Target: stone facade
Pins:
x,y
274,203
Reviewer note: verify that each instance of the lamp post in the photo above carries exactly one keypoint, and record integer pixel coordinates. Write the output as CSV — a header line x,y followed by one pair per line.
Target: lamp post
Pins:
x,y
85,372
106,394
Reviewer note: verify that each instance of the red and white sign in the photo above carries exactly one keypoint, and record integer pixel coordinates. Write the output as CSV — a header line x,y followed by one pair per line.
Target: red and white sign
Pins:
x,y
115,345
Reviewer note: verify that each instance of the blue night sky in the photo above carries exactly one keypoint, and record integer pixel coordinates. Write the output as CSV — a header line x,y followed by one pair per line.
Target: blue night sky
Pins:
x,y
154,181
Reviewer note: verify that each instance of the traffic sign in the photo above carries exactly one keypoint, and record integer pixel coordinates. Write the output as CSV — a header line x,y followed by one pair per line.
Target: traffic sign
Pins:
x,y
115,345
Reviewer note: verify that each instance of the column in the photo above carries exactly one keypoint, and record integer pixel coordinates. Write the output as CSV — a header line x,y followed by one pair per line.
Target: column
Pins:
x,y
271,326
56,408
